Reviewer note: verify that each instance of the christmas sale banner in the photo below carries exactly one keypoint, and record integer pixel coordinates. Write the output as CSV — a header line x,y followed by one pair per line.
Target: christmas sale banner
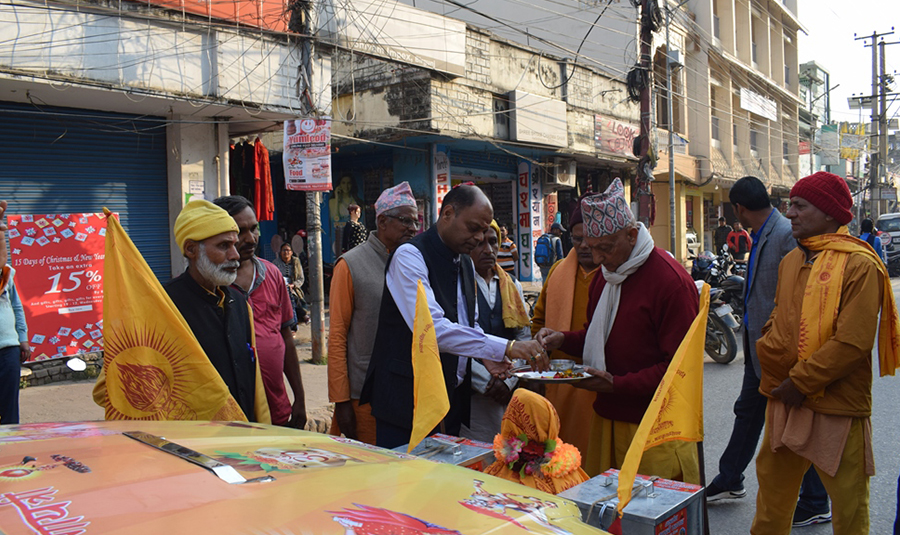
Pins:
x,y
58,260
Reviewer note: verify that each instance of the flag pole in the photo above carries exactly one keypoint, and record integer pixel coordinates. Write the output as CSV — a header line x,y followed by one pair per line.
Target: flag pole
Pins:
x,y
702,463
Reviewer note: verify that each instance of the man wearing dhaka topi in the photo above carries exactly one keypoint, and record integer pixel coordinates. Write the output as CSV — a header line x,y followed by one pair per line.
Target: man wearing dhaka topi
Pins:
x,y
638,312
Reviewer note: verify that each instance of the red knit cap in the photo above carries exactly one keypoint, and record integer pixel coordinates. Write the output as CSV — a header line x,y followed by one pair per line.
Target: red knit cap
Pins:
x,y
827,192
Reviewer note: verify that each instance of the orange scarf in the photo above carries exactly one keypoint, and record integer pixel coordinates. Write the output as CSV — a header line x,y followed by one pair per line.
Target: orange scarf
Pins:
x,y
4,277
561,293
822,296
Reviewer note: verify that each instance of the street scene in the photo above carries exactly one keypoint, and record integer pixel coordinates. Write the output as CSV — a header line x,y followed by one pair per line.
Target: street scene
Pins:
x,y
561,266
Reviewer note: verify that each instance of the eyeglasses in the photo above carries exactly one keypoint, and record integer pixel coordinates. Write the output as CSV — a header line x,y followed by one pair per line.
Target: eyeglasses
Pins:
x,y
405,221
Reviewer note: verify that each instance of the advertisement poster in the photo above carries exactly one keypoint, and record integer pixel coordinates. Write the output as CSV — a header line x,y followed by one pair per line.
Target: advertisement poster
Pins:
x,y
307,154
59,276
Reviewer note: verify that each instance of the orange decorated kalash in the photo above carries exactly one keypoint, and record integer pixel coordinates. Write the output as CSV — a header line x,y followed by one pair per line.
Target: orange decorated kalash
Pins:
x,y
528,449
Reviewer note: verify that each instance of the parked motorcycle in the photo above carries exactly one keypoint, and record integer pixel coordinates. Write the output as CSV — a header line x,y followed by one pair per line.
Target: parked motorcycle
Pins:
x,y
713,270
721,344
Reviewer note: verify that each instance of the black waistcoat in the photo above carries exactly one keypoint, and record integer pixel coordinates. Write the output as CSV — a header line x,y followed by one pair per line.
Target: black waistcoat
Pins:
x,y
491,319
223,333
389,379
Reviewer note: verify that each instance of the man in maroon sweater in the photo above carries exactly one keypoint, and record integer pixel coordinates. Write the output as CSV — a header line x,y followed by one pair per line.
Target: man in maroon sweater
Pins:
x,y
638,313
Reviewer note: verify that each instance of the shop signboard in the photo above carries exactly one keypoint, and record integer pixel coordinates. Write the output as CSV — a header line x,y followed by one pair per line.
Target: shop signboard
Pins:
x,y
307,154
528,206
58,260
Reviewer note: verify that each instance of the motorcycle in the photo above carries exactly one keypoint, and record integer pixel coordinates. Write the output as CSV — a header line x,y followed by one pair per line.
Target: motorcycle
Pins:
x,y
713,270
721,344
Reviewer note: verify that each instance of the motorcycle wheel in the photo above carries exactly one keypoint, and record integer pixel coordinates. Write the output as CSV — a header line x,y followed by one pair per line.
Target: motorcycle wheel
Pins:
x,y
721,344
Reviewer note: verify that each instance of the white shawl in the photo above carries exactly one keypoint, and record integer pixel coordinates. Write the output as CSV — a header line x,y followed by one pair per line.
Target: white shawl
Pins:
x,y
608,306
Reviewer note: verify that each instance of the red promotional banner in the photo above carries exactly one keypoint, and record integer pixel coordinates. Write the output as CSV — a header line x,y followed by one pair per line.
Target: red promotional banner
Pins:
x,y
59,277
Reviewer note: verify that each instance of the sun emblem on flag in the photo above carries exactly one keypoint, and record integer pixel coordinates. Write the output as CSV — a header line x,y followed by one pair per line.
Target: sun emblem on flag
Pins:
x,y
147,376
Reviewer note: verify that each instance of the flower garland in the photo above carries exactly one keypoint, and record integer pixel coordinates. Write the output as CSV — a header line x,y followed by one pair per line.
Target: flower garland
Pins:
x,y
554,458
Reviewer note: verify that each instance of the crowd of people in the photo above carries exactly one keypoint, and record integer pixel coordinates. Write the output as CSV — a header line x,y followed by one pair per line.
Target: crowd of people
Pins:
x,y
815,300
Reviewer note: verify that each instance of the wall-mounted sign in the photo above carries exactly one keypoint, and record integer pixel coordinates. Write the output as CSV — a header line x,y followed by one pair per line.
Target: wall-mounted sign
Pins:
x,y
759,104
537,119
614,136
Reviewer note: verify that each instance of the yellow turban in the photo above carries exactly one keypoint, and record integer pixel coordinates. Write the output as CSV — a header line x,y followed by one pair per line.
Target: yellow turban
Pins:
x,y
201,219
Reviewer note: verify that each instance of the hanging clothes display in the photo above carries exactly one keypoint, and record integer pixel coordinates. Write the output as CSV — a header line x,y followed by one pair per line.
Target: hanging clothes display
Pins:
x,y
263,199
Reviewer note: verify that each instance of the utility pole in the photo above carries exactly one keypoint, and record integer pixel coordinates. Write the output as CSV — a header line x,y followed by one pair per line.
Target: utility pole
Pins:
x,y
313,204
646,161
873,155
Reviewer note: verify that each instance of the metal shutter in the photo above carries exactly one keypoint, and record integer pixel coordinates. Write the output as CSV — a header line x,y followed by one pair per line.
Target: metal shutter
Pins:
x,y
62,160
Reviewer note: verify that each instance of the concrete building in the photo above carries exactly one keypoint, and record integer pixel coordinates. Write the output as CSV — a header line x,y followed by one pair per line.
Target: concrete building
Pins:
x,y
532,129
132,106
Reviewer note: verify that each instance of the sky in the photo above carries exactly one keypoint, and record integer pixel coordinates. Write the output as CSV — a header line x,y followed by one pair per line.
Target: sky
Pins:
x,y
831,25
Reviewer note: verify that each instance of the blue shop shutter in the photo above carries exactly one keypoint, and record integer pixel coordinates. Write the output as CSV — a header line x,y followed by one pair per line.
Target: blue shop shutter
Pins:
x,y
63,160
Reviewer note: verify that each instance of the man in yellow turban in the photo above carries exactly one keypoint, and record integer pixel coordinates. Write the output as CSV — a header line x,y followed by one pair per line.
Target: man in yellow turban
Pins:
x,y
217,314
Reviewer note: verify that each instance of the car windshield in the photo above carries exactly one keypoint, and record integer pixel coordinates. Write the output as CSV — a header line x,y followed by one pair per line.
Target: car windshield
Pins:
x,y
889,225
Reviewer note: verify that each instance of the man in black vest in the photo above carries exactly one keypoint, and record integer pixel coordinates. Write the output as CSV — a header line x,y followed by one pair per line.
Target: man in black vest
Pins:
x,y
217,314
439,258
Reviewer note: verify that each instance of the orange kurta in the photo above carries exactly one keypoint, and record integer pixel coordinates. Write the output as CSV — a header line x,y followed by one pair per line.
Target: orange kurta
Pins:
x,y
574,405
340,315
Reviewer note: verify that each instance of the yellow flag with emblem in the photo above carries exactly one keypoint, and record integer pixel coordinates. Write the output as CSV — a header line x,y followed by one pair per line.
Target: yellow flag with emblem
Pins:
x,y
153,366
676,411
430,400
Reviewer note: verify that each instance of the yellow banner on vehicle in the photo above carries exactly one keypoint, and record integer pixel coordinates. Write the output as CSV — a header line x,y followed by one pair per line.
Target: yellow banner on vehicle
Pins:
x,y
153,366
676,411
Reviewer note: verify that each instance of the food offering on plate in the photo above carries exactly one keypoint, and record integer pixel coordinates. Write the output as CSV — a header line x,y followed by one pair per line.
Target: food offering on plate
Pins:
x,y
568,374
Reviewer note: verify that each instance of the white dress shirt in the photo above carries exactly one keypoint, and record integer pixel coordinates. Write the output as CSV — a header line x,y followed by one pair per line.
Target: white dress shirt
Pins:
x,y
406,269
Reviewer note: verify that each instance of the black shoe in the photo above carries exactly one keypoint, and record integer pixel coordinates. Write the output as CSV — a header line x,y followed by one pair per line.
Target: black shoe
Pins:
x,y
715,493
802,517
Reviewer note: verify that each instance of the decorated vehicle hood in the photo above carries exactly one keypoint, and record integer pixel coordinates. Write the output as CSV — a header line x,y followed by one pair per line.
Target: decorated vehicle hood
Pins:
x,y
75,478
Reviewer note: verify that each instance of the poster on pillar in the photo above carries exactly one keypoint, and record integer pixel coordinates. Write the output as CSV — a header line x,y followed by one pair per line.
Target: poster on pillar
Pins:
x,y
59,278
307,154
528,208
440,161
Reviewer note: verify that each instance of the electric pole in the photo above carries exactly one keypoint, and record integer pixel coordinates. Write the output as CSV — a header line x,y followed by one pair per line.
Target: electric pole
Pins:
x,y
642,74
874,152
313,204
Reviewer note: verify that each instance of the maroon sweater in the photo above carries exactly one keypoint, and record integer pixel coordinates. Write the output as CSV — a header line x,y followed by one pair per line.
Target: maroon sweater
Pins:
x,y
659,302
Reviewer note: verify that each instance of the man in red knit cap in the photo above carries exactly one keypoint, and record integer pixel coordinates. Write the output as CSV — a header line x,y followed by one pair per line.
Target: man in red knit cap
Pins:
x,y
816,358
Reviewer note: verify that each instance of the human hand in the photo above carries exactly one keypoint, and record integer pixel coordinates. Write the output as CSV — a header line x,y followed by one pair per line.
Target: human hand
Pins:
x,y
531,352
549,339
788,393
346,419
298,414
24,351
500,370
498,391
598,381
3,226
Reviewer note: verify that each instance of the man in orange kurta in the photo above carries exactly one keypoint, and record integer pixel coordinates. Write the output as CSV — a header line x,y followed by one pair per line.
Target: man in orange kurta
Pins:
x,y
816,360
562,306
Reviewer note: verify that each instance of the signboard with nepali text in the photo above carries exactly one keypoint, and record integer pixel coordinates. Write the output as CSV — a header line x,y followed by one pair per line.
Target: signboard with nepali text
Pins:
x,y
307,154
59,277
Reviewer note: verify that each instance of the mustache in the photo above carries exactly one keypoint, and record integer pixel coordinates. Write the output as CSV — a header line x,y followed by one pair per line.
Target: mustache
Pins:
x,y
229,264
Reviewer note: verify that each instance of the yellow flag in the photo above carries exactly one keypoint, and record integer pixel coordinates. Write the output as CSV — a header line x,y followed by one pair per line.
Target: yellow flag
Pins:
x,y
153,366
430,401
676,411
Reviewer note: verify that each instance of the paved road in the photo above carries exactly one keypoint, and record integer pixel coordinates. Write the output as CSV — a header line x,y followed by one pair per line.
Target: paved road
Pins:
x,y
72,402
